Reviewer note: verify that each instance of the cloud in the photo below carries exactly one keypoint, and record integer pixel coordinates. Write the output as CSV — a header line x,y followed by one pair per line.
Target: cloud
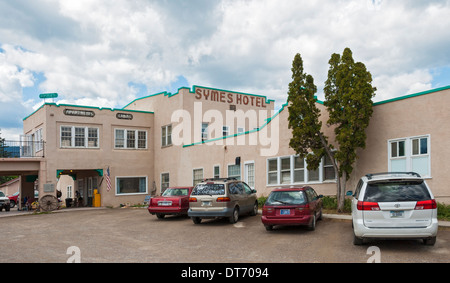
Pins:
x,y
108,53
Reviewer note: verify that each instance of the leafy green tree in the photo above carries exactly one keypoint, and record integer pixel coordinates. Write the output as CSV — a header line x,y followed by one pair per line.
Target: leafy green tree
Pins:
x,y
348,99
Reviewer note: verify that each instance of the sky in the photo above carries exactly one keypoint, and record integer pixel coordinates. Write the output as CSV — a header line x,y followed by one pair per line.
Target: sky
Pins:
x,y
107,53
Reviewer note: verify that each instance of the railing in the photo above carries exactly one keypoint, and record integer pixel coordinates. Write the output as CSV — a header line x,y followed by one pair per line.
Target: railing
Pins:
x,y
19,149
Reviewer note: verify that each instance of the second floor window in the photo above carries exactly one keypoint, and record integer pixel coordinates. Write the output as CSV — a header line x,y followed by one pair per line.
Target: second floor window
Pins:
x,y
166,135
80,137
130,139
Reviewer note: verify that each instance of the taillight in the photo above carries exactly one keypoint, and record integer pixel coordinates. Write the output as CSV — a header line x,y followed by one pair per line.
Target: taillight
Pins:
x,y
367,205
267,209
223,199
426,204
192,199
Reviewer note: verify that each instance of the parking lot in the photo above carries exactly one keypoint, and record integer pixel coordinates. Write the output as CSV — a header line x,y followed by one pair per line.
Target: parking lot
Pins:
x,y
133,235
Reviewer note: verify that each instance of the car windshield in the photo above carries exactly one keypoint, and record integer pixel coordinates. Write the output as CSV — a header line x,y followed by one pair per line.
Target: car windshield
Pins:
x,y
209,189
286,197
2,194
175,192
390,191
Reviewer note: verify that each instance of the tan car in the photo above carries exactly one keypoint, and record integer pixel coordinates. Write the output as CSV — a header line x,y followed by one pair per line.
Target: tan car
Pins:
x,y
224,197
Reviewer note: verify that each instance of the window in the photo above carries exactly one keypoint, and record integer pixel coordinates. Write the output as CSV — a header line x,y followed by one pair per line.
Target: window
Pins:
x,y
38,140
79,137
197,176
69,191
328,169
130,139
293,170
249,172
131,185
225,130
285,170
234,171
66,136
299,170
272,177
217,171
410,154
204,131
166,135
83,137
164,181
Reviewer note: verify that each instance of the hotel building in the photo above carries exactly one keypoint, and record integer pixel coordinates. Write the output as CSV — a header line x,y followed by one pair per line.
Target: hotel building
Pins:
x,y
166,139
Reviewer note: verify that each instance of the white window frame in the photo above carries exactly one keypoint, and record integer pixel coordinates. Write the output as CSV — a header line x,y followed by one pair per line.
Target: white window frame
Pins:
x,y
161,179
240,170
203,174
129,194
73,137
165,140
250,162
125,138
214,170
409,156
321,179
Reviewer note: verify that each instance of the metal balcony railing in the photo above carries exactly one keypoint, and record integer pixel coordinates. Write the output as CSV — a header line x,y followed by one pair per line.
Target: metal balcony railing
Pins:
x,y
21,149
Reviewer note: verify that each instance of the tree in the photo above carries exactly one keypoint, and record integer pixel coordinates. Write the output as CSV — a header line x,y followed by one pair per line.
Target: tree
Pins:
x,y
348,99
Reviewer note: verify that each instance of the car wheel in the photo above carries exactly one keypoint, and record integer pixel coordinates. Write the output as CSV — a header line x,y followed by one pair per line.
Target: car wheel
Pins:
x,y
160,215
320,214
429,241
7,208
12,204
196,220
255,209
269,227
235,216
357,241
312,225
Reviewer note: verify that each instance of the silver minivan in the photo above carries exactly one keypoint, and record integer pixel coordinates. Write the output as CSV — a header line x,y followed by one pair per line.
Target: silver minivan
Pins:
x,y
397,205
222,197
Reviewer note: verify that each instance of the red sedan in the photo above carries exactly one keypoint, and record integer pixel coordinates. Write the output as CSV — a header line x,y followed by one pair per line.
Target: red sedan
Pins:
x,y
173,201
292,206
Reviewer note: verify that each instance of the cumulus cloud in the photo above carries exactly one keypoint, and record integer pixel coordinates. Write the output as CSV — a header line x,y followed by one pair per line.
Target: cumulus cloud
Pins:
x,y
105,53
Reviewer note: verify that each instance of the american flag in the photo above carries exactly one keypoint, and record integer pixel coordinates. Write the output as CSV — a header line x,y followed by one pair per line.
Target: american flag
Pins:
x,y
108,180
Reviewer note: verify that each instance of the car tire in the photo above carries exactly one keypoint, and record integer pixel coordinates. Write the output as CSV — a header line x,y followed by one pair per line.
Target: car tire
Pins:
x,y
312,225
196,220
12,204
234,216
160,215
7,208
255,209
357,241
429,241
269,227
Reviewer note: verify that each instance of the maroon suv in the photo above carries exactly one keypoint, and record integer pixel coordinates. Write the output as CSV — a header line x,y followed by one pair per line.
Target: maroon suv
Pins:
x,y
292,206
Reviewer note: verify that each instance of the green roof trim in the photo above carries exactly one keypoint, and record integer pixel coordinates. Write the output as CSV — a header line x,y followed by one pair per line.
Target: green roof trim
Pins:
x,y
88,107
194,87
411,95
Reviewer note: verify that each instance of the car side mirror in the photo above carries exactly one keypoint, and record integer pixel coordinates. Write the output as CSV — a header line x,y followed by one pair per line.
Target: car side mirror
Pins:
x,y
253,191
349,193
320,196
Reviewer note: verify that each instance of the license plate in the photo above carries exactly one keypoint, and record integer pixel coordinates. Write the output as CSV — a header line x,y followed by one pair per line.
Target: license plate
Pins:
x,y
164,203
206,203
285,211
397,213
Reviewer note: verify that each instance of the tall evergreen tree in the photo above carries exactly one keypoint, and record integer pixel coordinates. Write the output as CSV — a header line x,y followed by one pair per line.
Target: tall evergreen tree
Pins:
x,y
348,99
